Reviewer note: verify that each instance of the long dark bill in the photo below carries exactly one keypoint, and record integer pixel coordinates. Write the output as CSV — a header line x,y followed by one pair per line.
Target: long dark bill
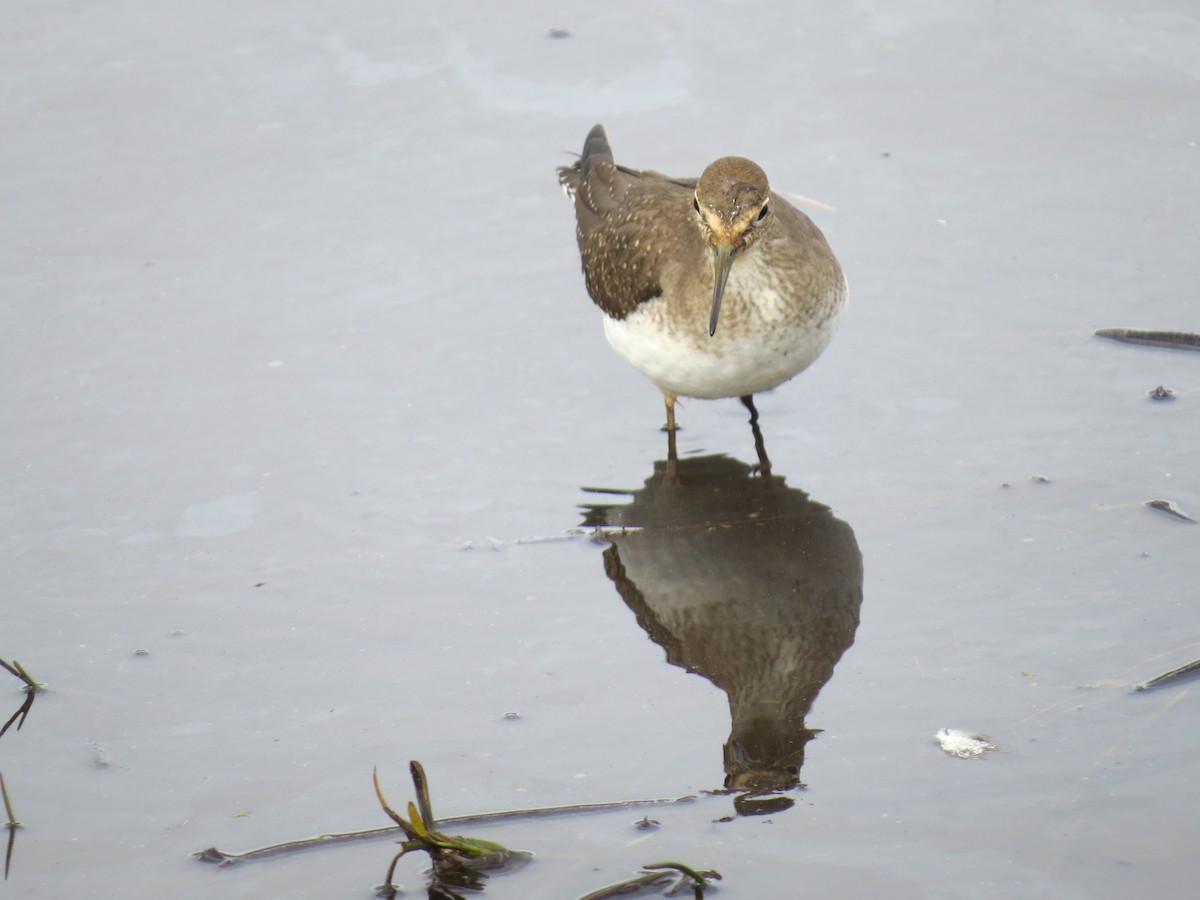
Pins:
x,y
723,255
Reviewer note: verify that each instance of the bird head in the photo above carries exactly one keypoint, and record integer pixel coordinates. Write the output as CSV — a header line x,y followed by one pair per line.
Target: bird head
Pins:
x,y
731,201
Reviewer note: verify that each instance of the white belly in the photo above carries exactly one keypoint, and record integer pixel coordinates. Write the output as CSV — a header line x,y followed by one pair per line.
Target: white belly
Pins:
x,y
760,342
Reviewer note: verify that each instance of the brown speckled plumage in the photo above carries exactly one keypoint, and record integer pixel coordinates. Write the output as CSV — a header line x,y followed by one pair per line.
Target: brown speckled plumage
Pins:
x,y
618,225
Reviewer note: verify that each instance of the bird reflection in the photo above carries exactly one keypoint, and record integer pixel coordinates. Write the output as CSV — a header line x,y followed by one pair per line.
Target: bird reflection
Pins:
x,y
751,584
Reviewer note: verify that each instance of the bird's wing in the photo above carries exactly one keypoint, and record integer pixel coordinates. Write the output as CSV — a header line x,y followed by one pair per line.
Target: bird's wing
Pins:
x,y
623,239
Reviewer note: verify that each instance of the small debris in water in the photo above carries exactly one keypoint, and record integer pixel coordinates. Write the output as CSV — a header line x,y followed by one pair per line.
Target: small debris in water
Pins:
x,y
645,823
1039,479
100,757
1161,393
963,745
675,877
141,651
571,534
1168,507
512,715
559,31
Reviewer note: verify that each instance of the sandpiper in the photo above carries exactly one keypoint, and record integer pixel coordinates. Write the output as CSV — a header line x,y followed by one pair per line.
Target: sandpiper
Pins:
x,y
711,287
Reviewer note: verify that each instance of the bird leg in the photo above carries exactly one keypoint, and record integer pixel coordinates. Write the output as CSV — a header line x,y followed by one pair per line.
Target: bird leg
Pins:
x,y
669,399
764,464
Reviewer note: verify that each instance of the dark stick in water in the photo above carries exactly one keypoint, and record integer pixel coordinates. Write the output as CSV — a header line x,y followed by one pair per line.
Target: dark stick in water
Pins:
x,y
1171,675
1174,340
1170,508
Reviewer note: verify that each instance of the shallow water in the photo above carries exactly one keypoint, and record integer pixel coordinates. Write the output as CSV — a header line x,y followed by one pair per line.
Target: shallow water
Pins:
x,y
299,371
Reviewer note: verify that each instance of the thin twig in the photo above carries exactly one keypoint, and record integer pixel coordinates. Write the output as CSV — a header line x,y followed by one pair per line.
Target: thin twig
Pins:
x,y
652,875
21,712
12,826
630,885
213,854
12,819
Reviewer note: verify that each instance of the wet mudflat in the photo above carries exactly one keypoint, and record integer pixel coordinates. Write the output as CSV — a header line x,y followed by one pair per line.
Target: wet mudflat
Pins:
x,y
299,371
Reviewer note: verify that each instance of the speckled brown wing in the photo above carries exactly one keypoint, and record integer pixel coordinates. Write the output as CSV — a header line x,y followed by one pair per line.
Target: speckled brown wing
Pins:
x,y
618,215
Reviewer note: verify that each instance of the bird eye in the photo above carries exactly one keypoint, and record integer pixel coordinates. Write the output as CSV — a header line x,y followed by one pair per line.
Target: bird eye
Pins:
x,y
762,213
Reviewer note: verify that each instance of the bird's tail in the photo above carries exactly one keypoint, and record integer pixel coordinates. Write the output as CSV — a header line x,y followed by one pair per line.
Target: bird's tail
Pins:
x,y
595,150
